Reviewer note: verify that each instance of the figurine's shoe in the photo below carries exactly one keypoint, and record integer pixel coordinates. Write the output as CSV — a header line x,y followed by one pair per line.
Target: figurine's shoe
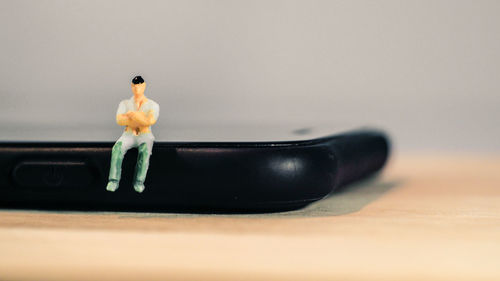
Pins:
x,y
139,187
112,186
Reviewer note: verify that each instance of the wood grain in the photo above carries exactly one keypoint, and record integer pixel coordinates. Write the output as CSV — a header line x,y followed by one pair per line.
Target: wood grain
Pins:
x,y
431,217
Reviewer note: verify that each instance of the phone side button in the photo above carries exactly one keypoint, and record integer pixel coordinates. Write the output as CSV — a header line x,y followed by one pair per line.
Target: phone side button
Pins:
x,y
43,174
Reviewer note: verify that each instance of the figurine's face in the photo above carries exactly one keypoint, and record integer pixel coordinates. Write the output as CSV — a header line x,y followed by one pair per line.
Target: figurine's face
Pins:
x,y
138,89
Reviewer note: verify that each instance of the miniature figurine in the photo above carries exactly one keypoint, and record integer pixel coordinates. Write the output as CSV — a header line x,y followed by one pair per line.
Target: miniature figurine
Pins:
x,y
137,114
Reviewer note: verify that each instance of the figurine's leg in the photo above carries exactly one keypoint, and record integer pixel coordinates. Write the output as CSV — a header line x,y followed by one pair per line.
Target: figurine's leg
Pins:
x,y
141,169
118,152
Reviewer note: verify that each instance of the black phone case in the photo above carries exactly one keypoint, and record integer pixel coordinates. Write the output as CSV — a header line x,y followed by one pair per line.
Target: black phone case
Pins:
x,y
199,177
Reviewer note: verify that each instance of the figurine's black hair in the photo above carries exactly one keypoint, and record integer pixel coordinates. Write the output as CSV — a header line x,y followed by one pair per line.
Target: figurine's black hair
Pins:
x,y
138,80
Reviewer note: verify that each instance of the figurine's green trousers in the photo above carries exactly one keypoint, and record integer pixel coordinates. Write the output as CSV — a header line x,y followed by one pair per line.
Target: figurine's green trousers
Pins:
x,y
144,143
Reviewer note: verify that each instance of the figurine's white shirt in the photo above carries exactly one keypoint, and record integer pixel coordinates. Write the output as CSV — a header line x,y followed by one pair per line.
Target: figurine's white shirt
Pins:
x,y
129,105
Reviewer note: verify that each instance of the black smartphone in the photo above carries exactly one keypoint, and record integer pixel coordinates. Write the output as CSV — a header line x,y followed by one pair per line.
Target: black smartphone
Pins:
x,y
228,169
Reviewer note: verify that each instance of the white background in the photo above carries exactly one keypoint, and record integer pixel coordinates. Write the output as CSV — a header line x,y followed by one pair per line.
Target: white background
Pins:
x,y
426,71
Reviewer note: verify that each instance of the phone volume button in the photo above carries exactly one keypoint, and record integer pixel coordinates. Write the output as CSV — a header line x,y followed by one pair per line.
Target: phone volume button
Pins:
x,y
52,174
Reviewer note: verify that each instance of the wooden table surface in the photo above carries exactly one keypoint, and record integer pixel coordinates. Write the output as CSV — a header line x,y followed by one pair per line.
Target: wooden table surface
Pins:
x,y
427,217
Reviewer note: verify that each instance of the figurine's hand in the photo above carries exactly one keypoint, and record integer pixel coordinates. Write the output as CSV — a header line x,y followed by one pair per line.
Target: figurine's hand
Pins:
x,y
130,114
122,119
140,118
137,116
134,114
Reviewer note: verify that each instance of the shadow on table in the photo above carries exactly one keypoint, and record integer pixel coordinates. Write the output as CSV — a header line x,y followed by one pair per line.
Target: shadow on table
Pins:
x,y
348,199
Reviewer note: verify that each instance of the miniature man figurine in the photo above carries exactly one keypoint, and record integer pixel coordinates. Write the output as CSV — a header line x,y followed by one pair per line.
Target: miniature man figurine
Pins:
x,y
137,114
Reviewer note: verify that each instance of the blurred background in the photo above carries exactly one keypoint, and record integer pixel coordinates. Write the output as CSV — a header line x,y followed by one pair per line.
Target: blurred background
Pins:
x,y
426,71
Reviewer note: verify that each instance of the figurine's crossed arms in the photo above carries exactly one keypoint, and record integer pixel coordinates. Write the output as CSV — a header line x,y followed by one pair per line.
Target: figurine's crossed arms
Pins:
x,y
136,119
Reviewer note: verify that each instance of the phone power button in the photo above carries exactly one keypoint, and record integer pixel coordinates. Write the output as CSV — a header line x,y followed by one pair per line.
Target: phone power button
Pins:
x,y
53,176
40,174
